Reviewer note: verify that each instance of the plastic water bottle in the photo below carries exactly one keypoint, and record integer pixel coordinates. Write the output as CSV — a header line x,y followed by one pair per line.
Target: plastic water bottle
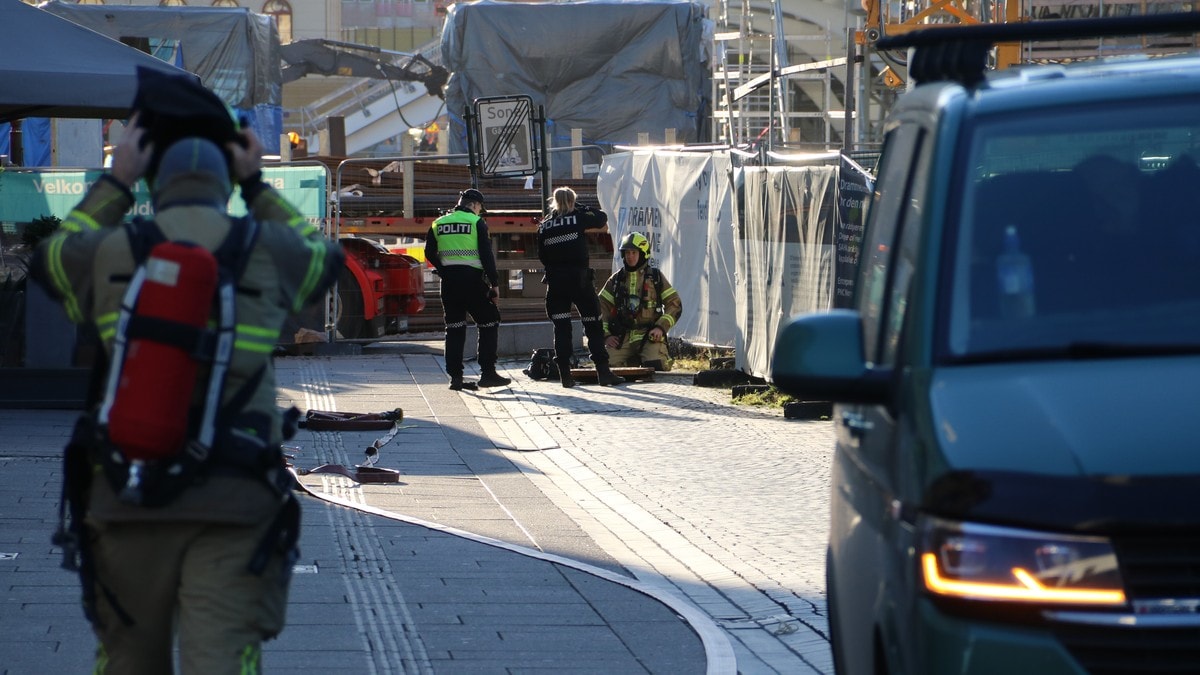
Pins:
x,y
1015,275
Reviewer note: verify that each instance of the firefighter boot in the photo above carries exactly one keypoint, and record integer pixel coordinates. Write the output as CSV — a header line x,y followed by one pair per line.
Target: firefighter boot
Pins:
x,y
606,377
491,378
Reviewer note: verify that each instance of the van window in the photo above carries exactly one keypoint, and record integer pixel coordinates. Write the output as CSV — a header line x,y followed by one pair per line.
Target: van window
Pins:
x,y
1098,212
887,211
904,261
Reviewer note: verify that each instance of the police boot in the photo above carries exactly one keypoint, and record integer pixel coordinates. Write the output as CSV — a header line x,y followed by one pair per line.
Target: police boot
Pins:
x,y
656,364
457,384
491,378
606,377
565,376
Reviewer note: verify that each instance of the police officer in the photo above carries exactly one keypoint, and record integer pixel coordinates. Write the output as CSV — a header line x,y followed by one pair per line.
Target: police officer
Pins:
x,y
562,248
638,306
459,248
188,567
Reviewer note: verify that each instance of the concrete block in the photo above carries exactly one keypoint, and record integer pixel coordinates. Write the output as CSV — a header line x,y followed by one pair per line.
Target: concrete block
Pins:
x,y
520,339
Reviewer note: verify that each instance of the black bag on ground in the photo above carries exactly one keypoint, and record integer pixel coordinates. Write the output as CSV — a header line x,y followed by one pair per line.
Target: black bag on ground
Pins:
x,y
542,365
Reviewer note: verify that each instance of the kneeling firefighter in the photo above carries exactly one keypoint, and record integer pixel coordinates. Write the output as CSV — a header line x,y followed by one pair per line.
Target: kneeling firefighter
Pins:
x,y
639,306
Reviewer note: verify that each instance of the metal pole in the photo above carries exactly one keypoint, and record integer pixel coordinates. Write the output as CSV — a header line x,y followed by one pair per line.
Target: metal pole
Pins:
x,y
472,158
545,156
849,103
771,108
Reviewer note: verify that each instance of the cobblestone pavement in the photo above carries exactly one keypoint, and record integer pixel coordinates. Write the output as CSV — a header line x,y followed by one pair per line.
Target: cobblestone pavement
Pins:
x,y
726,505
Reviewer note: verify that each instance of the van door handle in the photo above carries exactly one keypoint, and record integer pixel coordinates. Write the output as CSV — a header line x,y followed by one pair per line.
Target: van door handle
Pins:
x,y
856,423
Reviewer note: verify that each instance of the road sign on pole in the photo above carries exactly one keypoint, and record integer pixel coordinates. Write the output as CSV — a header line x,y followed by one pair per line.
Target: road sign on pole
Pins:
x,y
505,133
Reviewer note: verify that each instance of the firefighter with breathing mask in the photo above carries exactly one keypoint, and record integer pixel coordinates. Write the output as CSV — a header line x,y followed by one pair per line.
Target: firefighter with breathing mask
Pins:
x,y
638,306
196,574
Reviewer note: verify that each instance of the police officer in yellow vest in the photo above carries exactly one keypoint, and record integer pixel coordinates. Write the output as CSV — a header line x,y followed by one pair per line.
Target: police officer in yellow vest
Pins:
x,y
459,248
208,570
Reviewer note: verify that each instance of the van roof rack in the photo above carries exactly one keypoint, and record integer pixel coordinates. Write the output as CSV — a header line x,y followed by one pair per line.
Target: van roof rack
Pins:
x,y
959,53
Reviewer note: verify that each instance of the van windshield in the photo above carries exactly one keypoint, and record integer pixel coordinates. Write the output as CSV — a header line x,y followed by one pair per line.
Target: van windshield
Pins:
x,y
1079,234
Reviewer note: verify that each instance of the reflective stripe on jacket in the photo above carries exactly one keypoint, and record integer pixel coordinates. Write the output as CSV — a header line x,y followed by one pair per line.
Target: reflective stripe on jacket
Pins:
x,y
87,263
630,301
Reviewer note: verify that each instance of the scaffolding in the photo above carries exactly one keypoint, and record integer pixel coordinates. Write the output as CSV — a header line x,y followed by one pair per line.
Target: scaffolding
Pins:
x,y
772,89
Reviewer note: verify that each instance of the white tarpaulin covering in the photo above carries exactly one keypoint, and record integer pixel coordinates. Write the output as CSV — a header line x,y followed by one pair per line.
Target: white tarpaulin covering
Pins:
x,y
785,255
682,201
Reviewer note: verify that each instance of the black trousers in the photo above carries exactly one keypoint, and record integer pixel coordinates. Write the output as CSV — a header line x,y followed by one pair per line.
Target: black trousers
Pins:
x,y
465,291
574,286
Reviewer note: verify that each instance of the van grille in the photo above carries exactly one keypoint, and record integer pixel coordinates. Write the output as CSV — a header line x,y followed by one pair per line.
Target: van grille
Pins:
x,y
1111,650
1160,566
1153,567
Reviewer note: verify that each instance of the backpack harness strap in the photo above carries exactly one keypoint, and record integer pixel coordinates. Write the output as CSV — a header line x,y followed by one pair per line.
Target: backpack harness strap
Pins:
x,y
625,314
213,346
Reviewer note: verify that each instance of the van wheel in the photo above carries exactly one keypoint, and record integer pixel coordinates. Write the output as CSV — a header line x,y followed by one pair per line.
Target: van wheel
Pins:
x,y
350,319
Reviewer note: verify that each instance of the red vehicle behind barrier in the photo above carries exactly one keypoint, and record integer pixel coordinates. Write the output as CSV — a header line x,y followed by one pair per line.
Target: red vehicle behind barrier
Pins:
x,y
377,290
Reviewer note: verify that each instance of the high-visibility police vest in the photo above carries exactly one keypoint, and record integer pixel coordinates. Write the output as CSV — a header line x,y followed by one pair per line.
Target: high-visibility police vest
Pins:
x,y
457,235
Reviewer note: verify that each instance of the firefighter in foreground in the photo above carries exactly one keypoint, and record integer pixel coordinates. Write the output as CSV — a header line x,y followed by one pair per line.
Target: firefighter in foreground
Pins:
x,y
206,558
570,281
638,306
459,248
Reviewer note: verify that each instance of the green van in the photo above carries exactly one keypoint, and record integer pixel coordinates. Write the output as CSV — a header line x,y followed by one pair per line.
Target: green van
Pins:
x,y
1016,480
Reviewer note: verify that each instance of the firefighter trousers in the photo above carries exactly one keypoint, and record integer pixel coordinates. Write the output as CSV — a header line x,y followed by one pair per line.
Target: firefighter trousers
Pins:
x,y
190,580
574,287
638,350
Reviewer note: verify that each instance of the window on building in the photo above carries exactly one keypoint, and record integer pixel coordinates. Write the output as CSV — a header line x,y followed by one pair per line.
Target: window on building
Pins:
x,y
172,3
225,3
281,11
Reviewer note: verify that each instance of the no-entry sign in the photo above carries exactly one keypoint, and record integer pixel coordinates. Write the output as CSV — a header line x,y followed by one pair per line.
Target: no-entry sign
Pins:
x,y
505,136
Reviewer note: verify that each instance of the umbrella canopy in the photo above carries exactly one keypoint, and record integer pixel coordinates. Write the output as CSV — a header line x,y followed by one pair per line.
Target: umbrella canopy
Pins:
x,y
54,68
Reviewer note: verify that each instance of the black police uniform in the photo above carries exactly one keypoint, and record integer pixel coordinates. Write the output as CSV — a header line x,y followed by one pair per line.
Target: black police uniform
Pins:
x,y
562,248
468,272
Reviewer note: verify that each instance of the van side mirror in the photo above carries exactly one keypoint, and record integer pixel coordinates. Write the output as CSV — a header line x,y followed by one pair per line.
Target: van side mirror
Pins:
x,y
819,357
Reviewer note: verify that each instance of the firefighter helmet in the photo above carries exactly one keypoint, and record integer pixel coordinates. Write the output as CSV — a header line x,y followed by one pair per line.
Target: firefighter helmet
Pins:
x,y
636,241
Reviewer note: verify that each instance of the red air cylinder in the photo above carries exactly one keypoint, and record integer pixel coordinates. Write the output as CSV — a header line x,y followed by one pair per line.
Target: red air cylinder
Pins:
x,y
149,415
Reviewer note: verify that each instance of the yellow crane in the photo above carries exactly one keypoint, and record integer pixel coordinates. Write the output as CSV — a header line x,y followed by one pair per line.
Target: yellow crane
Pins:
x,y
940,13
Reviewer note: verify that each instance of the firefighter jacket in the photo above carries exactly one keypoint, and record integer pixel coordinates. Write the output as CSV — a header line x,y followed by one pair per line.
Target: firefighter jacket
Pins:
x,y
634,301
461,238
562,240
87,264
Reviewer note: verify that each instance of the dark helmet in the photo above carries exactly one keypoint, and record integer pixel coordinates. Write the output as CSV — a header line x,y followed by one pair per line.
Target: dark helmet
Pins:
x,y
470,195
199,160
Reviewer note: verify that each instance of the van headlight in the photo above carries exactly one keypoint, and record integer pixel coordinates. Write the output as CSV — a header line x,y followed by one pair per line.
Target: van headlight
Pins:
x,y
970,561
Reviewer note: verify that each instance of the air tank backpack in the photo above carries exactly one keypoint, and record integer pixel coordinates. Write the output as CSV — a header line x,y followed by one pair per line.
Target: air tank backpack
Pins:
x,y
161,413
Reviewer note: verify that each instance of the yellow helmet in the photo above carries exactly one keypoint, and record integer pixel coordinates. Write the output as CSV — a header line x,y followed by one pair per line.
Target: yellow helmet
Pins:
x,y
636,241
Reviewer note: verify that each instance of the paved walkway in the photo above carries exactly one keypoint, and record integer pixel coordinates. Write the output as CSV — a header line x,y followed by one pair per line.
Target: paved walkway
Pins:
x,y
528,532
